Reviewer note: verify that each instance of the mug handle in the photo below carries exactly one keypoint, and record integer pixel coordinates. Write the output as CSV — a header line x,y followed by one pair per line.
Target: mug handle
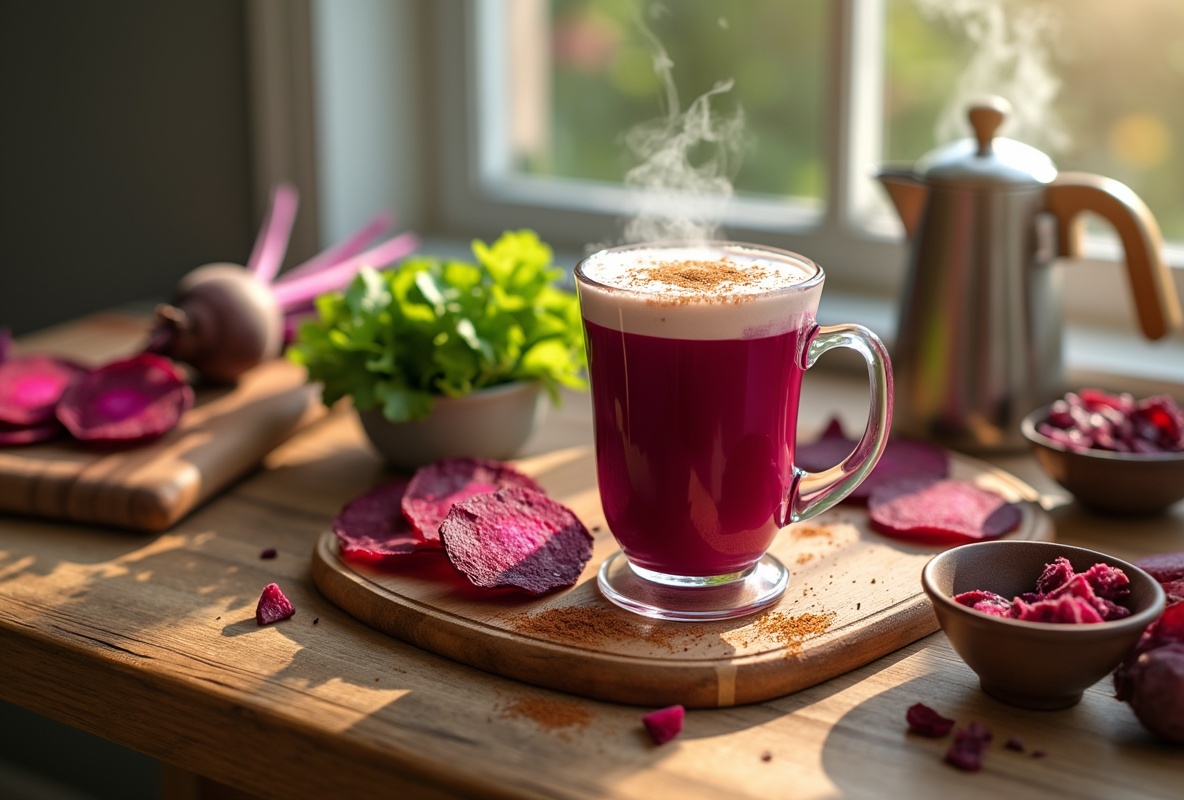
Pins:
x,y
811,493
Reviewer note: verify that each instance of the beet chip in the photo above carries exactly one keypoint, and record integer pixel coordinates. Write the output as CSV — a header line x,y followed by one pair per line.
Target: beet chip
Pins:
x,y
969,747
664,724
371,527
1164,567
30,388
126,401
29,434
516,537
903,459
273,606
947,511
436,488
924,721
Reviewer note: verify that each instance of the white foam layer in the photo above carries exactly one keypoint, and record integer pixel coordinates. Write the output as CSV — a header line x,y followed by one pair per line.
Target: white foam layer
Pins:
x,y
630,289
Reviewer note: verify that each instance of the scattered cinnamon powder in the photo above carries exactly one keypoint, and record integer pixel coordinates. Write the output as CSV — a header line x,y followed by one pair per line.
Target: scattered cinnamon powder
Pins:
x,y
591,626
803,531
551,715
787,630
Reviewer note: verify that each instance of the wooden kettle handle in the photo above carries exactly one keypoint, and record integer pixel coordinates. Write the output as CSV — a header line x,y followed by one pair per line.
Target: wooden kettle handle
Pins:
x,y
1151,282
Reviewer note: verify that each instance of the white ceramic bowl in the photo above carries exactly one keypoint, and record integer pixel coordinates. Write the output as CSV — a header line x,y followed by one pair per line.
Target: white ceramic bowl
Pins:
x,y
489,423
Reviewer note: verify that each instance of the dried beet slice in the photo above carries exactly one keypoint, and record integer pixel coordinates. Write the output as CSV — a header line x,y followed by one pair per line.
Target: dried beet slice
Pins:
x,y
5,344
13,435
371,527
948,511
516,537
1174,591
1164,567
1065,609
436,488
902,459
31,386
126,401
273,606
664,724
969,747
986,602
924,721
1056,574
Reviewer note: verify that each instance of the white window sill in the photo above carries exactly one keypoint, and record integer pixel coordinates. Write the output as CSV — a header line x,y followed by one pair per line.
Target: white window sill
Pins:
x,y
1111,358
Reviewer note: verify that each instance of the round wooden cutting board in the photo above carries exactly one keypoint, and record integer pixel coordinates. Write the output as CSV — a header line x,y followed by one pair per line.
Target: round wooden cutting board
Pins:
x,y
853,596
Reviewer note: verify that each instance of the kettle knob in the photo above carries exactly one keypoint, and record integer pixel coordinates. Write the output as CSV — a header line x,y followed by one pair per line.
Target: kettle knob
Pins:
x,y
985,117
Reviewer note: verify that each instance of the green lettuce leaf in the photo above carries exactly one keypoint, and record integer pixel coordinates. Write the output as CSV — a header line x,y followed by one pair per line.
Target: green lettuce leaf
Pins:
x,y
397,338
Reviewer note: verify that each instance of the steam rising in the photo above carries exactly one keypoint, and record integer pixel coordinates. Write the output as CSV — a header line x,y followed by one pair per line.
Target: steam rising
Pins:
x,y
687,161
1012,48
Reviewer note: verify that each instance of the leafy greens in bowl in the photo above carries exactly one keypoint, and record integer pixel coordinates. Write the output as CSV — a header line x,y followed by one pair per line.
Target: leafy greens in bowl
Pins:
x,y
392,340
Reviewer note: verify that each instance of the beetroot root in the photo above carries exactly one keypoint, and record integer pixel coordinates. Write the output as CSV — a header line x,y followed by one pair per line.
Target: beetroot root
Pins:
x,y
222,322
1156,693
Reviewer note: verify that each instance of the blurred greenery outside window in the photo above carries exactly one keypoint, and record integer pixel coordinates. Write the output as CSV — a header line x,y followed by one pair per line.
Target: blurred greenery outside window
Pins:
x,y
1095,84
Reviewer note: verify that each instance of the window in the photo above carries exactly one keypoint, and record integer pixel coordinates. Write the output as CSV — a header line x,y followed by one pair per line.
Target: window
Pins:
x,y
533,101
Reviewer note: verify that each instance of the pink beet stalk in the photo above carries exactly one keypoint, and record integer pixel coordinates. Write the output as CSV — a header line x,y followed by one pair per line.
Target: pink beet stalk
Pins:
x,y
272,242
342,251
299,291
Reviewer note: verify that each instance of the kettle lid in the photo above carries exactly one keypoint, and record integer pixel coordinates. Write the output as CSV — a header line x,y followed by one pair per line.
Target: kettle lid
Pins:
x,y
986,159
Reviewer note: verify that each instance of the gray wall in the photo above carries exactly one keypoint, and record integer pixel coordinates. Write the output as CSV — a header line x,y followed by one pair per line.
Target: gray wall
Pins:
x,y
124,162
124,151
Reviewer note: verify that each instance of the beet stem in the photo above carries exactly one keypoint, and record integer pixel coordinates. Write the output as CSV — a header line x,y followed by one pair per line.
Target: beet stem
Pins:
x,y
272,241
170,321
299,291
378,225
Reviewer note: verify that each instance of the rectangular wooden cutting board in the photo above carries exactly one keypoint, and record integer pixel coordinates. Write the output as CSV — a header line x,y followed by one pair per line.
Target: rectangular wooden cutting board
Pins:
x,y
853,596
151,486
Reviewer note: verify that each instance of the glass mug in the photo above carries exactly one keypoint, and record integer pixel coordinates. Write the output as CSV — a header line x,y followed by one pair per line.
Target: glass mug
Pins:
x,y
696,353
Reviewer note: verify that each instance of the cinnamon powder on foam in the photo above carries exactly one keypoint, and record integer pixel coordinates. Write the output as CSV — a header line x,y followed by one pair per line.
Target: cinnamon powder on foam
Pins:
x,y
710,280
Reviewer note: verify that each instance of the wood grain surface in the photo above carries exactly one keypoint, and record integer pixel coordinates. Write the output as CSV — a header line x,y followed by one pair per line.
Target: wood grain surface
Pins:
x,y
149,487
150,640
854,596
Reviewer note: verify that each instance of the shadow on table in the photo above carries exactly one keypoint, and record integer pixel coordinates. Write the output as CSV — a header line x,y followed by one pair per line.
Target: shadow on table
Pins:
x,y
1065,753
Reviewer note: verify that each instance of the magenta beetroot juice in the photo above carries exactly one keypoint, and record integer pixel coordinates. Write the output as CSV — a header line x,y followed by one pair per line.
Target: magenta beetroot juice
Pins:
x,y
696,355
694,442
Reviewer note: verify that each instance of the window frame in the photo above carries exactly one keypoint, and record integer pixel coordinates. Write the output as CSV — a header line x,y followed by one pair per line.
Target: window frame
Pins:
x,y
457,195
477,194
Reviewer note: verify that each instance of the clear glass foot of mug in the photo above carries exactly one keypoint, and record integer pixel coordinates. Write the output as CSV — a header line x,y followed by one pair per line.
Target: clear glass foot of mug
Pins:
x,y
692,599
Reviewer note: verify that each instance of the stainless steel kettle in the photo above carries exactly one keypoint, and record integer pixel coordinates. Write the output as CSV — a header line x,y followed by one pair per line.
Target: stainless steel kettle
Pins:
x,y
979,340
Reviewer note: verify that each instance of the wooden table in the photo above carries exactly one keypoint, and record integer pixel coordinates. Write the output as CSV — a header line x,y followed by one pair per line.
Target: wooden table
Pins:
x,y
150,641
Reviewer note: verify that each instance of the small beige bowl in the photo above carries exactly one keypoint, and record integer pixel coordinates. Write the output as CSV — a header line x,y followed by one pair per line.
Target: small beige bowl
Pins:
x,y
489,423
1039,665
1113,483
